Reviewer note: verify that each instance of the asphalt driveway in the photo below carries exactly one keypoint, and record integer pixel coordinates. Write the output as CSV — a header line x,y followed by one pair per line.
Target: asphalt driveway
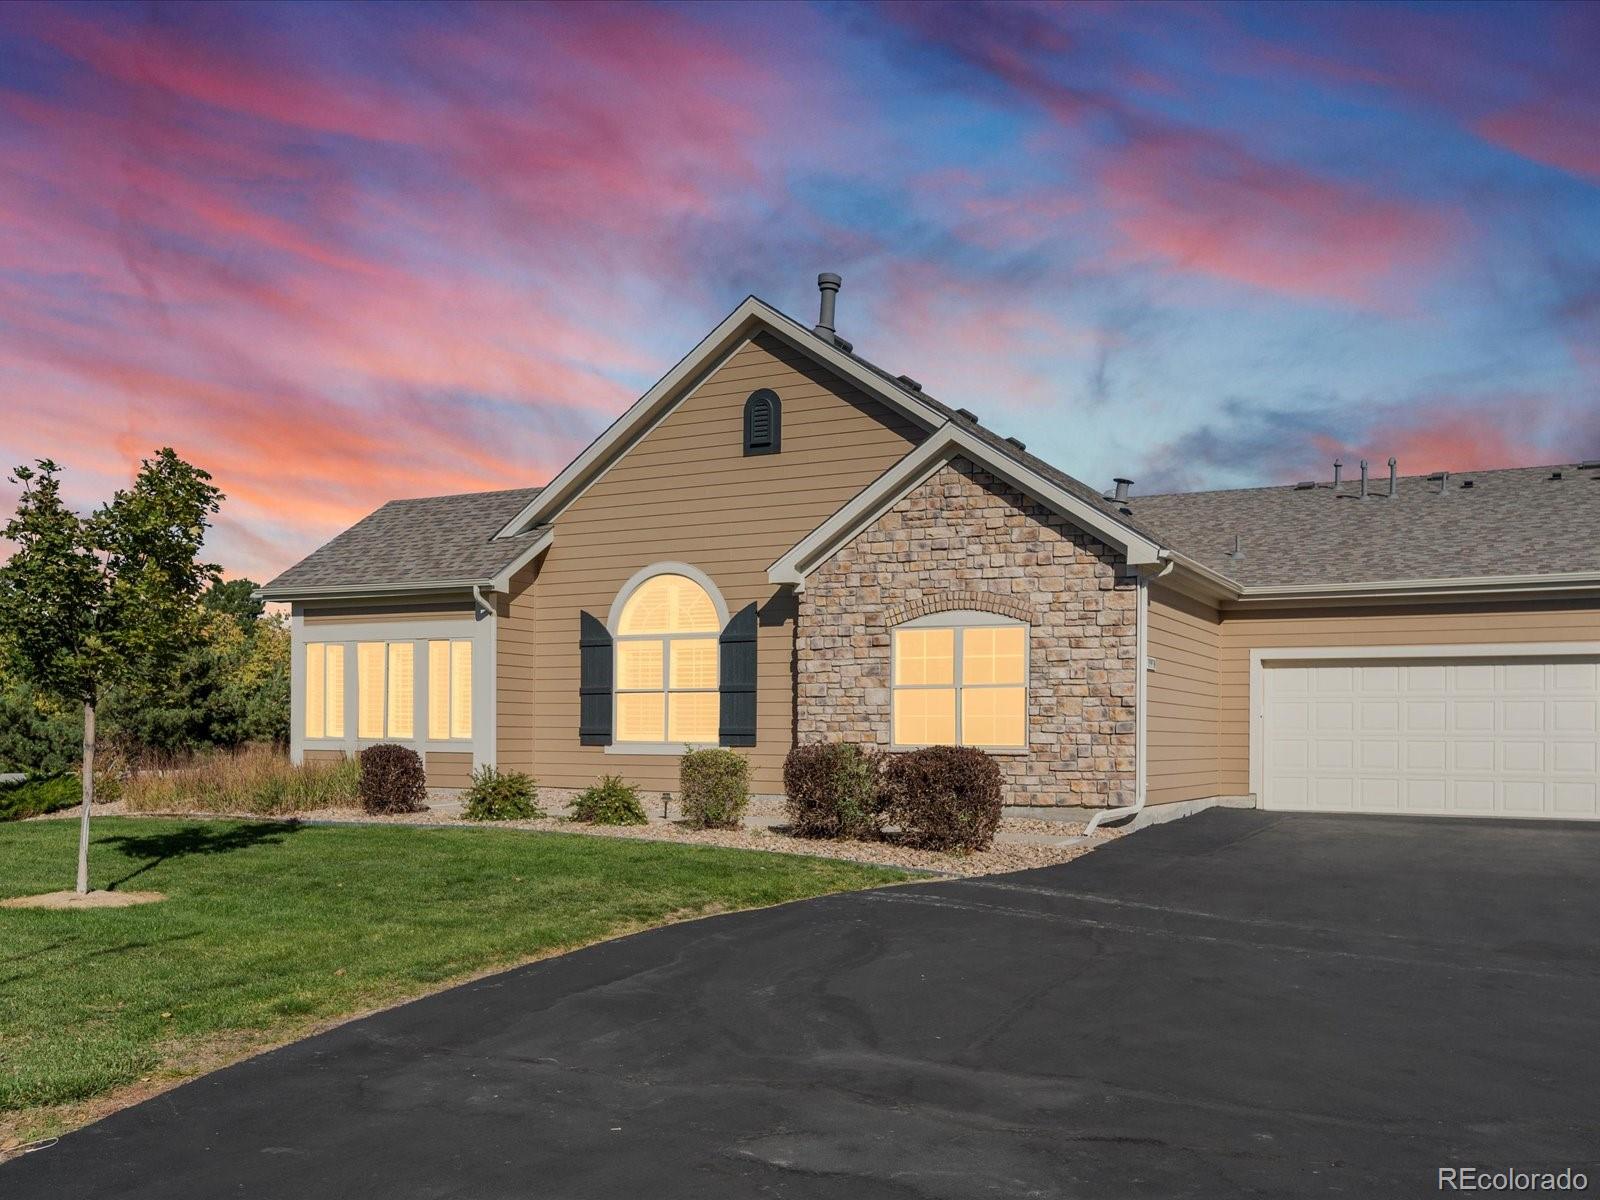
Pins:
x,y
1237,1004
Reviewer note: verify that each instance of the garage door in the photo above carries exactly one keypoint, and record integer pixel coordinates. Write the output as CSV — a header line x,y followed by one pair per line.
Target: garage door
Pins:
x,y
1467,737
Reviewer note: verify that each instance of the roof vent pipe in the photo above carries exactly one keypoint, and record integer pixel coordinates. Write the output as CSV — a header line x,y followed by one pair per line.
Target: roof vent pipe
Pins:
x,y
828,284
1122,487
1363,479
1338,472
1392,469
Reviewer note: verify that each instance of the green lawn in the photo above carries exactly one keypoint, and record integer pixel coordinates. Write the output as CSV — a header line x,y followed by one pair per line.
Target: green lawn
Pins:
x,y
270,929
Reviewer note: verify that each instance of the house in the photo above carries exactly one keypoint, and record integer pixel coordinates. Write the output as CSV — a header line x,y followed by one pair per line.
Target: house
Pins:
x,y
781,542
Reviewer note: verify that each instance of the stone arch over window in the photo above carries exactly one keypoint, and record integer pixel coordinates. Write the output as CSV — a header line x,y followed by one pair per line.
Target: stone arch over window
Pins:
x,y
940,602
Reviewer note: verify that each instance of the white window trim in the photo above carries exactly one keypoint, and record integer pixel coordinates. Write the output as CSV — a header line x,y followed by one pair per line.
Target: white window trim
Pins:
x,y
614,618
383,691
423,672
480,631
299,664
959,620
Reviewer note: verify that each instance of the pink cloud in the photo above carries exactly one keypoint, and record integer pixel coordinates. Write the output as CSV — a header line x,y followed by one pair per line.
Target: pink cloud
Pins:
x,y
1204,205
1450,435
1555,132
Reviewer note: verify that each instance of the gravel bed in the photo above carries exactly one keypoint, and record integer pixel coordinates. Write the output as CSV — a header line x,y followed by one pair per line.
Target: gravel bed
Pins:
x,y
998,858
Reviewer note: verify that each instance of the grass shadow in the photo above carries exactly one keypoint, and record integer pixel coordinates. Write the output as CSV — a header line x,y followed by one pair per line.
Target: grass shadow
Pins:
x,y
193,839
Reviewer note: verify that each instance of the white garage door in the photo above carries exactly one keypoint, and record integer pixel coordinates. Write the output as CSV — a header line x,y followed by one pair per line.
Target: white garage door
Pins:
x,y
1465,737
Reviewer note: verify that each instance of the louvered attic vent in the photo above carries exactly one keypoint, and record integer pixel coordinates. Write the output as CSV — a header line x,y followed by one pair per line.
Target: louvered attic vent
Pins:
x,y
763,422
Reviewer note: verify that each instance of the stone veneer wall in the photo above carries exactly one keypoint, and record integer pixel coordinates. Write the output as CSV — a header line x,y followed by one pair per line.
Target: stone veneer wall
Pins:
x,y
965,539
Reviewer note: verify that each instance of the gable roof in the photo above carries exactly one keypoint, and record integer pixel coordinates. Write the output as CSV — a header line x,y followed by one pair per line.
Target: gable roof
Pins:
x,y
954,440
1027,471
426,543
1505,525
731,332
1513,529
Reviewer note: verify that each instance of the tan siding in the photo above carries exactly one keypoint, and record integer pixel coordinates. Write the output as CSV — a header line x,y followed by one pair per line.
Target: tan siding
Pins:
x,y
1181,699
514,673
322,756
686,492
449,768
356,614
1454,624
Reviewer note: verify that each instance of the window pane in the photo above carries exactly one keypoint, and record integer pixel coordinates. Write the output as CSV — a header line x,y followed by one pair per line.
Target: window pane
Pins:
x,y
993,654
692,717
402,701
925,717
369,694
639,665
461,689
694,663
640,717
668,604
316,688
994,716
438,691
924,656
335,702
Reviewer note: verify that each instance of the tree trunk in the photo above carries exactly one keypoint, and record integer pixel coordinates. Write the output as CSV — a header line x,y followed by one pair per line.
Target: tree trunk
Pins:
x,y
88,797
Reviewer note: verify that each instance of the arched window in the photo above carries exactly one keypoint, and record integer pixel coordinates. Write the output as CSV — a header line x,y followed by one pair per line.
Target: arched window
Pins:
x,y
960,679
666,662
763,420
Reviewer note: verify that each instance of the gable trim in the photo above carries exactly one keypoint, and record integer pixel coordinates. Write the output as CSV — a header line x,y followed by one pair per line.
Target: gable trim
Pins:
x,y
948,442
680,382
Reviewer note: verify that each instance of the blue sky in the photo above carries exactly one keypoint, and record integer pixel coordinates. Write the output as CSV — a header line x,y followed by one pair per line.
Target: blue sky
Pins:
x,y
338,254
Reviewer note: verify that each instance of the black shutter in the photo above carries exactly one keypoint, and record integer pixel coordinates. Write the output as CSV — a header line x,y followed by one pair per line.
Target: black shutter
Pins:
x,y
737,643
594,682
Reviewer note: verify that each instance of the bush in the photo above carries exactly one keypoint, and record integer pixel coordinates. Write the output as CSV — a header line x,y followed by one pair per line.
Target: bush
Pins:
x,y
609,802
392,779
258,779
831,790
716,788
501,796
942,797
26,798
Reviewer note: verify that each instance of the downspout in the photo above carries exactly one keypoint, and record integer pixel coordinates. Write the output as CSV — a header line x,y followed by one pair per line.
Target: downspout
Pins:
x,y
1141,689
483,608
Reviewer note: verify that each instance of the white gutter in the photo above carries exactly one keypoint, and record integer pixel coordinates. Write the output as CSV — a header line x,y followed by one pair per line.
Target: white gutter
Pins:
x,y
362,590
1141,690
1465,585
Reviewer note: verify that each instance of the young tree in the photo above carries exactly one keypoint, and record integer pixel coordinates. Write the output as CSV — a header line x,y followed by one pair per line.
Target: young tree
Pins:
x,y
89,602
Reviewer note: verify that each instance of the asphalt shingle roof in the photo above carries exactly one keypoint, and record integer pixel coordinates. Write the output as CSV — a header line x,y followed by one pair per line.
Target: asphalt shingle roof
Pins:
x,y
417,541
1509,522
1516,521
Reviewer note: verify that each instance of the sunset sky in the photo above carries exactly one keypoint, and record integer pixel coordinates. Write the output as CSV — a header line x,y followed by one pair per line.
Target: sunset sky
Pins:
x,y
340,254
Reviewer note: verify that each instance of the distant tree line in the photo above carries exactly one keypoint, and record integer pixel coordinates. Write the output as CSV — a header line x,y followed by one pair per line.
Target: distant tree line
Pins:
x,y
229,688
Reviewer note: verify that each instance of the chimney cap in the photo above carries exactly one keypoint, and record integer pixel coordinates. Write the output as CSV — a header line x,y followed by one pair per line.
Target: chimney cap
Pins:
x,y
829,279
